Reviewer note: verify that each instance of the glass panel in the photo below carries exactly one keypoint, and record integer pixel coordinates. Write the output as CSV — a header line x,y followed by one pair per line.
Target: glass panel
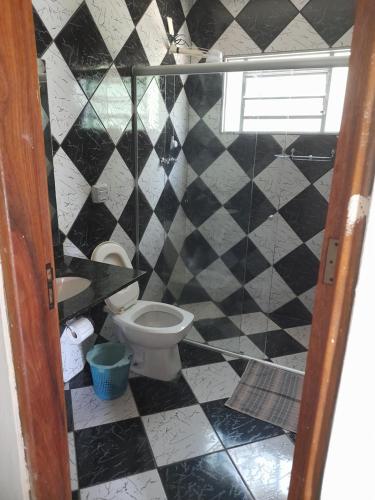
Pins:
x,y
284,107
296,125
281,85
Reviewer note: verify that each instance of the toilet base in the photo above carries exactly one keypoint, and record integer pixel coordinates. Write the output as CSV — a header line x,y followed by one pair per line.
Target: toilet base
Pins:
x,y
160,364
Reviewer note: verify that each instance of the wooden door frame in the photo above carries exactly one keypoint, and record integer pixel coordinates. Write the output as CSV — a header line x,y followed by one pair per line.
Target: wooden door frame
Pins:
x,y
346,221
26,249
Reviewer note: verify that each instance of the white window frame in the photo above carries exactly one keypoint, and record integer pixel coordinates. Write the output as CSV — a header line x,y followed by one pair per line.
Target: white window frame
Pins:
x,y
265,73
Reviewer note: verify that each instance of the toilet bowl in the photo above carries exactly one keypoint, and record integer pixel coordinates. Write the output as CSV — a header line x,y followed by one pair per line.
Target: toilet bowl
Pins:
x,y
152,329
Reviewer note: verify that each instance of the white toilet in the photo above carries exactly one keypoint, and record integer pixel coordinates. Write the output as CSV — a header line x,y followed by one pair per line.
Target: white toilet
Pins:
x,y
152,329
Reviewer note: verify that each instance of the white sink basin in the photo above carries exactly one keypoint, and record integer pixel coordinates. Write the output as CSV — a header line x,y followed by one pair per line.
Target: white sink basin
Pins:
x,y
69,286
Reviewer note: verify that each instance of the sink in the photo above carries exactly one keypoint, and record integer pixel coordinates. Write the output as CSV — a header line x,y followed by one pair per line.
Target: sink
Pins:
x,y
69,286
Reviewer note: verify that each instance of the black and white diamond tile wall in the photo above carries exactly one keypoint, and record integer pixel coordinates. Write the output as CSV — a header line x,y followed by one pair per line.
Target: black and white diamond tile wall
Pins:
x,y
204,197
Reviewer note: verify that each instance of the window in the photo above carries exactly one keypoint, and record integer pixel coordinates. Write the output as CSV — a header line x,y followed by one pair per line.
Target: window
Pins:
x,y
279,101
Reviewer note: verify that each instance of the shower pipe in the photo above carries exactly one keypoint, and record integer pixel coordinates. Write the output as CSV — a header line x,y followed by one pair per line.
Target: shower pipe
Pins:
x,y
256,63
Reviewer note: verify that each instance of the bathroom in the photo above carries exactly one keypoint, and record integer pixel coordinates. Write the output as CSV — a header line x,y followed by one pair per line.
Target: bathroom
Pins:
x,y
210,187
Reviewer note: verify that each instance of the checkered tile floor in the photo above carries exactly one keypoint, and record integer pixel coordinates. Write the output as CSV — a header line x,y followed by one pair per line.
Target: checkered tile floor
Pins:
x,y
253,334
174,440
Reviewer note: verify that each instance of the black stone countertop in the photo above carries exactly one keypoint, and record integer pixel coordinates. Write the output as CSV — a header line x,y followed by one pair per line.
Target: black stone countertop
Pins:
x,y
105,281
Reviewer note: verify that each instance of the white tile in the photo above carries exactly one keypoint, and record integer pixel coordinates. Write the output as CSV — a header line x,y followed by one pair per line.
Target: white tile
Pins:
x,y
72,462
56,13
203,310
239,345
193,334
221,231
152,34
213,120
345,40
187,5
307,298
218,281
72,190
178,176
65,96
315,244
211,382
179,116
120,182
155,289
295,361
234,6
235,41
300,3
120,237
298,35
286,139
71,250
269,290
253,323
152,111
114,22
152,179
90,411
152,241
301,334
144,486
177,231
179,277
225,177
275,238
180,434
113,104
265,466
183,58
323,185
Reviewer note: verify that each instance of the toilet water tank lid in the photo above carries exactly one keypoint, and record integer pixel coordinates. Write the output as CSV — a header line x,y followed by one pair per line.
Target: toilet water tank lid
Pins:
x,y
110,252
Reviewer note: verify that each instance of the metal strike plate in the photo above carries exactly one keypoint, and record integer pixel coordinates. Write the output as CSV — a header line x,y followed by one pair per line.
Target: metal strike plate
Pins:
x,y
330,264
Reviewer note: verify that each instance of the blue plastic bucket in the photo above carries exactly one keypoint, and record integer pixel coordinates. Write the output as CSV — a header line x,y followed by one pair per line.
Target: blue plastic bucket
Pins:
x,y
109,364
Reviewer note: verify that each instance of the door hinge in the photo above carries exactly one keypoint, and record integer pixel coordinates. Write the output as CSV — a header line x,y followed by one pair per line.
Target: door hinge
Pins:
x,y
51,295
330,263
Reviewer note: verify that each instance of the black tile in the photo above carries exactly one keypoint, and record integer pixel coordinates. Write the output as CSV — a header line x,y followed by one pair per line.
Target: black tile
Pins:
x,y
69,410
145,266
154,396
207,21
93,225
209,477
299,269
294,313
167,206
238,365
173,9
276,343
168,146
306,213
75,495
84,50
202,147
168,298
245,261
330,19
216,329
43,38
243,151
199,203
170,87
193,292
317,145
131,54
137,8
266,149
98,315
203,91
261,208
235,428
239,302
239,207
166,261
125,147
197,253
127,218
88,145
264,20
55,146
192,355
112,451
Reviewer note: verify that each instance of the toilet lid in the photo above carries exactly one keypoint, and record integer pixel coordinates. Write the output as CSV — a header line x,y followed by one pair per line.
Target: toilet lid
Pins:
x,y
110,252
